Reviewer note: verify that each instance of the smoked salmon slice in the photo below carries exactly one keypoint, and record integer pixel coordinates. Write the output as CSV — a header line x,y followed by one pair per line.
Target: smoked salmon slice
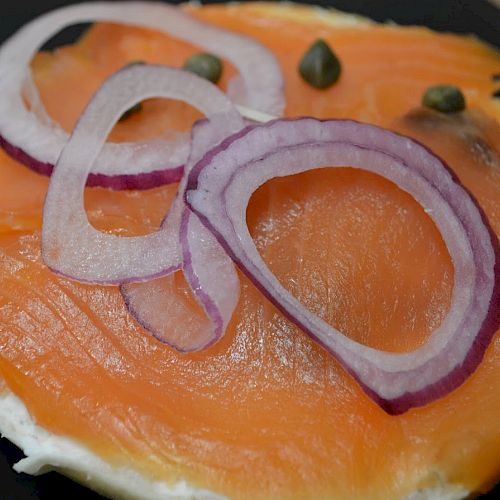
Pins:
x,y
266,413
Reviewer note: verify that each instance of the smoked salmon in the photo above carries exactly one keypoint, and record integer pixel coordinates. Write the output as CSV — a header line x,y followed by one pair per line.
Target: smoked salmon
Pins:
x,y
266,413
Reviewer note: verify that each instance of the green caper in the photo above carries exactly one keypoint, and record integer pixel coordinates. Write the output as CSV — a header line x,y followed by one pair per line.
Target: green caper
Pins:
x,y
207,66
319,66
136,107
444,98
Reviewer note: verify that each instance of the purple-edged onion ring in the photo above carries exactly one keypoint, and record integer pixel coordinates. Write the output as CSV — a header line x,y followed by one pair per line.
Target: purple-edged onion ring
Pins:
x,y
31,137
220,186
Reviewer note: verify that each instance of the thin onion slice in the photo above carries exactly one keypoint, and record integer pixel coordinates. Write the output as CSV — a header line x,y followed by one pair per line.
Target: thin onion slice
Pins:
x,y
219,188
208,270
70,245
31,138
157,304
160,304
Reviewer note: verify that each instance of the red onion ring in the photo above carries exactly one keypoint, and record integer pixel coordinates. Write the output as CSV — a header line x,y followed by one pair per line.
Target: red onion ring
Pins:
x,y
207,268
219,188
70,245
30,137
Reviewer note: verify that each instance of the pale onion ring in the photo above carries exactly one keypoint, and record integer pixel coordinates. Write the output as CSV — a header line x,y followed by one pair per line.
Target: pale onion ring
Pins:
x,y
29,137
70,245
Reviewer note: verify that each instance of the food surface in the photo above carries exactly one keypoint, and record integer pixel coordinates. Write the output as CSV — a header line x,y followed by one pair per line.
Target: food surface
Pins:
x,y
266,412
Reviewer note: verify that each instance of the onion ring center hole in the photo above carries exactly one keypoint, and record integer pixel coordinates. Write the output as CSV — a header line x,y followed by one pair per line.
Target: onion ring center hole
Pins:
x,y
357,251
139,212
44,64
68,77
128,212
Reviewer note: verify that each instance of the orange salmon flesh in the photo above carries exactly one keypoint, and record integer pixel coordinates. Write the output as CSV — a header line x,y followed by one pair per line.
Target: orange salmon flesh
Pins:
x,y
266,413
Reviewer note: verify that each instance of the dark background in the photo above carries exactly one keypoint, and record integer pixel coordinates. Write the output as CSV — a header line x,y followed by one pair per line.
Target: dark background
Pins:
x,y
462,16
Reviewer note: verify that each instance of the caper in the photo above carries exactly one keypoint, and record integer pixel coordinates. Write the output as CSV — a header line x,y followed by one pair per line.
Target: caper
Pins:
x,y
136,107
444,98
207,66
319,66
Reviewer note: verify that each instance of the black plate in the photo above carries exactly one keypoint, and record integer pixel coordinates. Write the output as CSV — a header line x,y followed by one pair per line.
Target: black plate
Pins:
x,y
462,16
